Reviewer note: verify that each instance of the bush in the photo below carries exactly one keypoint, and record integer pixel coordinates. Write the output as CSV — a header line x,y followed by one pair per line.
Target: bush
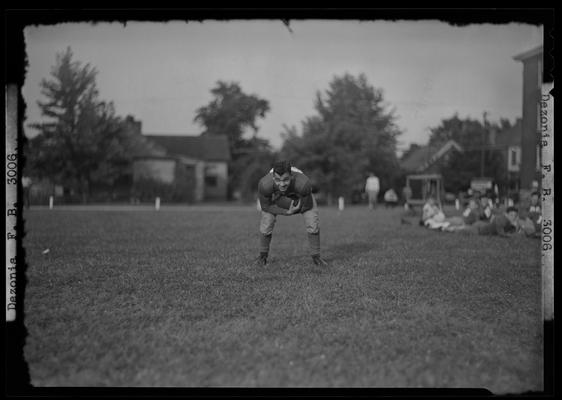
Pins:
x,y
146,190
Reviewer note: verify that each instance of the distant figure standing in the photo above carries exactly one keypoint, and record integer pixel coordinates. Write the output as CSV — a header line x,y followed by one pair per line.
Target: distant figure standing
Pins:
x,y
407,195
372,187
535,186
26,184
535,212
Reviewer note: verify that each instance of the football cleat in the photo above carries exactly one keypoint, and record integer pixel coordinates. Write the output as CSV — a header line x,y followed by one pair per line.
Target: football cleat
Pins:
x,y
317,260
261,261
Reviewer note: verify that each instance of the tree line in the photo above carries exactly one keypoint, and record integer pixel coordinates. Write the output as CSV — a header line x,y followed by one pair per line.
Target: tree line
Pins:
x,y
83,144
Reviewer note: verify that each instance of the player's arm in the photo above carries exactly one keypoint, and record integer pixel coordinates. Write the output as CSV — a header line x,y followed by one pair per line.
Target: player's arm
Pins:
x,y
267,203
305,195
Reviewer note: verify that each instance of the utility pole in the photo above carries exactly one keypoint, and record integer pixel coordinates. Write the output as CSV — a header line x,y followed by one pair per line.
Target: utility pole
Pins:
x,y
482,153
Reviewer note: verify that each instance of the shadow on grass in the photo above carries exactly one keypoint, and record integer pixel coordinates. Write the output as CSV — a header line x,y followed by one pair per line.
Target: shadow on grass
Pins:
x,y
299,262
347,250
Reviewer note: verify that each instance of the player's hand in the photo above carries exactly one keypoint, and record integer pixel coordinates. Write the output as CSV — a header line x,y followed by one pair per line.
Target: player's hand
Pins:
x,y
293,209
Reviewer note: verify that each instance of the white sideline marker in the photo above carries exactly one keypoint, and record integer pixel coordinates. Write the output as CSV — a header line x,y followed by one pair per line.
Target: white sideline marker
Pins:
x,y
341,203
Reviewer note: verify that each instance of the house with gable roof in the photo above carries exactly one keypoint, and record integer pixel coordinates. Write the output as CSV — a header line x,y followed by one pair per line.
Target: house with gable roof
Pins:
x,y
198,164
429,158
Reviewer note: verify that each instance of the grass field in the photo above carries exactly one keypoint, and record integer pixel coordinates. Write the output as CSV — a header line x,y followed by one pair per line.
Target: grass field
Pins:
x,y
170,298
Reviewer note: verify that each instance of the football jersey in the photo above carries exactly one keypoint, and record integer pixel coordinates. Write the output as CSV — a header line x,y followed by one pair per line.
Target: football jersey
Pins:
x,y
275,202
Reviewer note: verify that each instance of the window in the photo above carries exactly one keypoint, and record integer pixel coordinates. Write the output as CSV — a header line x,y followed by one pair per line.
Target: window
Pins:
x,y
513,157
211,181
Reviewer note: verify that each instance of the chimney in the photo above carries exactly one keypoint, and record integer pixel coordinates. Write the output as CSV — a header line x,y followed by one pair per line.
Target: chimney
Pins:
x,y
492,137
135,125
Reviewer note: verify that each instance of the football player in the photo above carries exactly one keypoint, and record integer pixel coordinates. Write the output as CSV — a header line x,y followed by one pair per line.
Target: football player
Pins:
x,y
285,191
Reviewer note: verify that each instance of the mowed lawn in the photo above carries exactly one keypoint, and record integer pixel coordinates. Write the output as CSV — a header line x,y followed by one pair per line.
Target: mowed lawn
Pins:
x,y
171,298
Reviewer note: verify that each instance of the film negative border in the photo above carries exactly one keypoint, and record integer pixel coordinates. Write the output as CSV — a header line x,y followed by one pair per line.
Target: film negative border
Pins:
x,y
11,199
547,223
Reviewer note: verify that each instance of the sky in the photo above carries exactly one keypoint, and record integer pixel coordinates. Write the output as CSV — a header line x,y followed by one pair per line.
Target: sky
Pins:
x,y
162,72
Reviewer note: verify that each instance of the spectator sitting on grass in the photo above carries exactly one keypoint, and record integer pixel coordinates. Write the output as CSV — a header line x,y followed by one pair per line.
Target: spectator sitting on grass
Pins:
x,y
434,218
485,208
505,225
472,212
470,217
390,198
432,215
530,222
527,227
484,212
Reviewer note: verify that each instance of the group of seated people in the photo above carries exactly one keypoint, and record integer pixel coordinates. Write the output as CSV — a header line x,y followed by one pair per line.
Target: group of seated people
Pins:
x,y
482,218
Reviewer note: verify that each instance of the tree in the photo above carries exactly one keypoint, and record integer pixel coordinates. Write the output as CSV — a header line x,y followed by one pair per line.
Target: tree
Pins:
x,y
461,167
413,147
83,142
233,113
474,137
352,134
469,133
253,165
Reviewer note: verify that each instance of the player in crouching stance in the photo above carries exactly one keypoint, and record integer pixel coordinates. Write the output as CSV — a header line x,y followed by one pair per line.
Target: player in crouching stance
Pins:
x,y
285,190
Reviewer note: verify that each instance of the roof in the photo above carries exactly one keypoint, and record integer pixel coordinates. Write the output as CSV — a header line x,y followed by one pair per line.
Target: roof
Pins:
x,y
420,159
207,148
153,157
182,159
416,158
424,176
529,54
510,137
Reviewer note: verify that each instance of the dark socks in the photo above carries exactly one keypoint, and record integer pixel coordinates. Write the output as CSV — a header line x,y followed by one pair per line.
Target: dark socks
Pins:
x,y
265,240
314,243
